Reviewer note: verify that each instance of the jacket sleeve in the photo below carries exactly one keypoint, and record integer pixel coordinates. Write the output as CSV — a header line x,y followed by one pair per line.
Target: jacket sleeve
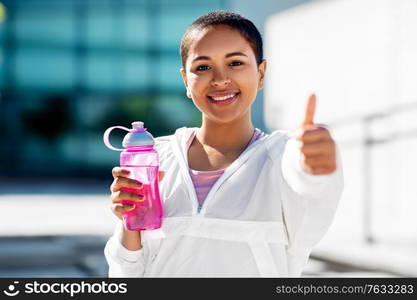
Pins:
x,y
309,205
123,262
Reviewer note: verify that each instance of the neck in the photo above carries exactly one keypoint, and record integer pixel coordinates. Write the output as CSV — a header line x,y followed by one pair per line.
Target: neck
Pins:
x,y
225,137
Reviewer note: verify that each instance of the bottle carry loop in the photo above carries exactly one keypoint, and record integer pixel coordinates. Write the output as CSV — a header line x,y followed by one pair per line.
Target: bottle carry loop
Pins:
x,y
107,134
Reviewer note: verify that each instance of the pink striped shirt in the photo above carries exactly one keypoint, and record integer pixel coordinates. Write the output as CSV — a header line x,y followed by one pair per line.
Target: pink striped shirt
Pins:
x,y
204,180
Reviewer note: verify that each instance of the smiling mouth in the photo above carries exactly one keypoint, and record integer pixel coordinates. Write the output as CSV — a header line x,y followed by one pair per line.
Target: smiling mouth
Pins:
x,y
224,99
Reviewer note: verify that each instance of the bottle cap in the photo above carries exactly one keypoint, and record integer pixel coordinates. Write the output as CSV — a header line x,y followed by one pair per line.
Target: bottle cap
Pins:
x,y
137,125
137,136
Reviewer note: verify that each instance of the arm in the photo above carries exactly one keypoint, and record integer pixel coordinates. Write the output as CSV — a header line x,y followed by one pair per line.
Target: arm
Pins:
x,y
122,261
123,251
310,162
312,185
130,239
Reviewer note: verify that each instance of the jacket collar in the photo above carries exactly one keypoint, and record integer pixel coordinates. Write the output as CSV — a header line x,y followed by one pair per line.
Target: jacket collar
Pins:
x,y
179,145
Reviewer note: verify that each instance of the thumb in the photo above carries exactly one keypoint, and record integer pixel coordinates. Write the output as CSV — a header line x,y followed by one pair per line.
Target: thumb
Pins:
x,y
310,110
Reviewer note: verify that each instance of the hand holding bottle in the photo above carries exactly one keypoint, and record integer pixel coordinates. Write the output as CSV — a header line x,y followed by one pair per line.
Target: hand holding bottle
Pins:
x,y
122,181
136,180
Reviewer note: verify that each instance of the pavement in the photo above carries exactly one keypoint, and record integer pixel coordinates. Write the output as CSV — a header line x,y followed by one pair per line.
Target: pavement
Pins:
x,y
54,229
60,229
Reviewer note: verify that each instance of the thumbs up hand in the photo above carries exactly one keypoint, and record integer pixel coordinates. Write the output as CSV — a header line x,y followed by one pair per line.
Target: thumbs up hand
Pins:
x,y
318,149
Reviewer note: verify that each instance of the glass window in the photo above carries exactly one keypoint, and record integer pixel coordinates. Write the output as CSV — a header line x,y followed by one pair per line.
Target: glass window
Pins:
x,y
100,25
101,71
40,67
176,16
172,28
1,67
170,77
55,28
135,72
178,110
136,29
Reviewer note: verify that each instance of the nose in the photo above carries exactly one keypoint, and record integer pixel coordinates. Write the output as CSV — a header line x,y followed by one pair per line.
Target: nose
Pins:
x,y
220,79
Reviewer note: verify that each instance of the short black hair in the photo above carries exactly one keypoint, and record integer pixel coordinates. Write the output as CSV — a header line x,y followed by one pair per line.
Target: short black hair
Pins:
x,y
223,17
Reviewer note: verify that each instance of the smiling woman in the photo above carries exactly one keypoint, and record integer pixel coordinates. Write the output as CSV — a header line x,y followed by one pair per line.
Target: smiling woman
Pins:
x,y
237,202
219,72
221,66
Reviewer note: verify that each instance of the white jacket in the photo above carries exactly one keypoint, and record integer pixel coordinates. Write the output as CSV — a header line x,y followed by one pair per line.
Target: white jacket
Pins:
x,y
260,219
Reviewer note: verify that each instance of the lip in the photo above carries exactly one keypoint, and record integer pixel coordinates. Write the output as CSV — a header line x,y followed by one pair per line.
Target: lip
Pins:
x,y
222,93
226,101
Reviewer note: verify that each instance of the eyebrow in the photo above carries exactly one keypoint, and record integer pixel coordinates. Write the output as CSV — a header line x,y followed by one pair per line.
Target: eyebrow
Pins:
x,y
226,56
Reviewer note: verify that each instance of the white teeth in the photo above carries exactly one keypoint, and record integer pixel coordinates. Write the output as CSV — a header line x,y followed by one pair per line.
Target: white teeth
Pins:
x,y
223,98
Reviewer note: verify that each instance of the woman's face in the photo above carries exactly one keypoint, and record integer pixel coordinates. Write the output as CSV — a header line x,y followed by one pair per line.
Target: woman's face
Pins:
x,y
221,74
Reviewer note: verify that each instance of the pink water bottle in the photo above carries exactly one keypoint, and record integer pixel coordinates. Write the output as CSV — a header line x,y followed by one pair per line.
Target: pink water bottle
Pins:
x,y
140,157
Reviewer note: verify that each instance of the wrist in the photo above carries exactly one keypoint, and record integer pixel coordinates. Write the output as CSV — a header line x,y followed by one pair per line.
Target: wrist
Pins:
x,y
131,240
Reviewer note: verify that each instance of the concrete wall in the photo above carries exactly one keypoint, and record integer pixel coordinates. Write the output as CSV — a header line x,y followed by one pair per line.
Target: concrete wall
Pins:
x,y
358,56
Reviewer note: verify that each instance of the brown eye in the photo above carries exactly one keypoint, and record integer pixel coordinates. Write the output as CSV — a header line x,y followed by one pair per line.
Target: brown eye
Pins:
x,y
236,63
202,68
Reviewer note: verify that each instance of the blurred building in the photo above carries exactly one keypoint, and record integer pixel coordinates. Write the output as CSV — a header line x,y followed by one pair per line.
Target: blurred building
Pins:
x,y
71,68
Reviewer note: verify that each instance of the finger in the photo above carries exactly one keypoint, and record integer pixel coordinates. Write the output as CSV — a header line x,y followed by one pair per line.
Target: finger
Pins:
x,y
321,148
119,209
161,175
320,160
314,135
122,182
120,172
323,170
119,196
116,209
310,110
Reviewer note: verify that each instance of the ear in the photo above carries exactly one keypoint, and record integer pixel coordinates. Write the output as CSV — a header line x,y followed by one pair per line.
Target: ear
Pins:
x,y
262,71
184,79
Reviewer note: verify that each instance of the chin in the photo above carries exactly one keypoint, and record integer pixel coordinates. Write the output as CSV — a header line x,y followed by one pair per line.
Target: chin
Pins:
x,y
226,119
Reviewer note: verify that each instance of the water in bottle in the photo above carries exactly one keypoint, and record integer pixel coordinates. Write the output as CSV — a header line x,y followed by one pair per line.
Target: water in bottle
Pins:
x,y
141,159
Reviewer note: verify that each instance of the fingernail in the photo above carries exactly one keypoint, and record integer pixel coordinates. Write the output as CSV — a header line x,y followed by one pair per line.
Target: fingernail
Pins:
x,y
125,171
138,183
